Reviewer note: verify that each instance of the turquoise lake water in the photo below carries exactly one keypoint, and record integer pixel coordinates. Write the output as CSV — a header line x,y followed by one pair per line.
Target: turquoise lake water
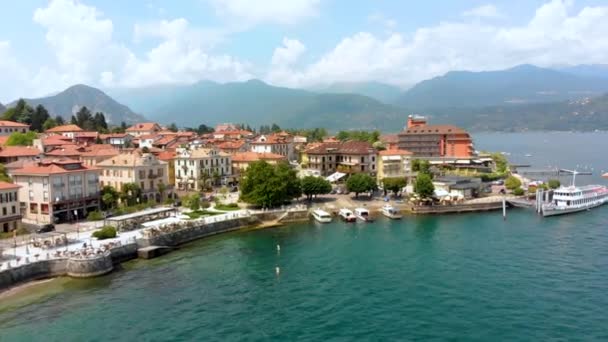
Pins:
x,y
456,277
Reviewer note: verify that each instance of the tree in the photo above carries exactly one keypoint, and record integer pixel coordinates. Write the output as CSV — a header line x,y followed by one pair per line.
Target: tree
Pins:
x,y
21,139
4,177
59,120
204,129
99,121
130,193
161,189
554,183
109,196
500,162
394,184
314,186
423,186
269,185
360,182
39,118
216,177
422,166
193,202
512,183
172,127
49,123
275,128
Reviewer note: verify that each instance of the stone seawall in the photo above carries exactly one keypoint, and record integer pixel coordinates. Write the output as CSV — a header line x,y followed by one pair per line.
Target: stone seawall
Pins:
x,y
90,267
454,209
124,253
188,234
33,271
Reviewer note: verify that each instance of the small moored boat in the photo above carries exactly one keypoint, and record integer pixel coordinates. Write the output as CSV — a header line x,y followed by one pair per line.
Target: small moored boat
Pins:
x,y
363,215
347,215
390,212
321,216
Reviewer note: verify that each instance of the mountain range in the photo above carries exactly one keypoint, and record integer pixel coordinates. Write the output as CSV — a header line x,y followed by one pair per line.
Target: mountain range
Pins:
x,y
66,103
380,91
519,85
255,102
521,98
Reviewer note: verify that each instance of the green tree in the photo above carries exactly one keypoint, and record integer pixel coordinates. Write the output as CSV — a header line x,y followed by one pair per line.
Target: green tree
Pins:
x,y
268,185
275,128
394,184
193,202
512,183
49,123
130,193
422,166
554,183
99,121
84,119
423,186
161,189
314,186
173,127
59,120
500,163
109,197
39,118
360,182
21,139
4,177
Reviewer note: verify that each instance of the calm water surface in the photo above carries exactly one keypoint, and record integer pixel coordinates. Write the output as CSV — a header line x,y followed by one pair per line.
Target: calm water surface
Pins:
x,y
459,277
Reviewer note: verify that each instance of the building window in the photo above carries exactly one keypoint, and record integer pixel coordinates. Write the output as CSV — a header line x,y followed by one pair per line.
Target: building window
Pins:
x,y
45,196
14,210
31,195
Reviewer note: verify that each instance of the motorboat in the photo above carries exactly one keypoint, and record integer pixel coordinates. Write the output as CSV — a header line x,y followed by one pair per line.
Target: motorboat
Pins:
x,y
363,215
391,212
347,215
321,216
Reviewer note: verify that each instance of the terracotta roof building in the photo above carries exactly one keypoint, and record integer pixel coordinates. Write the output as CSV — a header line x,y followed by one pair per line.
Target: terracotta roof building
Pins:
x,y
143,169
57,190
143,128
10,210
394,163
347,157
13,153
9,127
435,140
275,143
69,131
242,160
196,168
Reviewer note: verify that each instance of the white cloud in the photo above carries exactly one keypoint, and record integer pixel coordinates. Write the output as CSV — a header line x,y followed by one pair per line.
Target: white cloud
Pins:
x,y
289,53
81,39
251,12
553,36
484,11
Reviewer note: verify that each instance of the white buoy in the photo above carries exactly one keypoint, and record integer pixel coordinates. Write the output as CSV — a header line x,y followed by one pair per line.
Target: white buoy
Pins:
x,y
278,248
277,270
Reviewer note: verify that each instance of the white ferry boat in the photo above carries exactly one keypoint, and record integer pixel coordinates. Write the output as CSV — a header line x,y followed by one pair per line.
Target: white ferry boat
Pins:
x,y
321,216
572,199
347,215
363,215
390,212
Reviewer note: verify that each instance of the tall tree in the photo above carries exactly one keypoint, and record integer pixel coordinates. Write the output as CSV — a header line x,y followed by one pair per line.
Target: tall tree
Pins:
x,y
21,139
268,185
394,184
59,120
39,117
100,123
313,186
360,182
424,185
172,127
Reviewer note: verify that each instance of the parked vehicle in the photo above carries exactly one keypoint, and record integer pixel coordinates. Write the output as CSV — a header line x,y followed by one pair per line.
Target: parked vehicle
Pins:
x,y
46,228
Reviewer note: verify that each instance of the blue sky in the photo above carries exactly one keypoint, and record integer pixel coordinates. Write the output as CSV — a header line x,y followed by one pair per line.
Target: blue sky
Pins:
x,y
46,46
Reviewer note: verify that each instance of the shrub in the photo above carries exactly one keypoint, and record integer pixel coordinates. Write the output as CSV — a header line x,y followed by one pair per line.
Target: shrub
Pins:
x,y
518,192
512,183
227,207
107,232
205,204
95,216
554,183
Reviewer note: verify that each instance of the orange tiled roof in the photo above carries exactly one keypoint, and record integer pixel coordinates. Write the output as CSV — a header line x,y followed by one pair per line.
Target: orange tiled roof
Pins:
x,y
229,145
6,123
249,156
3,139
8,186
19,151
56,140
52,167
65,151
395,152
86,135
143,126
166,155
64,128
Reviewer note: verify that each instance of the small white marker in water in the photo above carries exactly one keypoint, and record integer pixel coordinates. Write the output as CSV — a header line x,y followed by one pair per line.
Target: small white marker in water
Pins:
x,y
277,270
278,248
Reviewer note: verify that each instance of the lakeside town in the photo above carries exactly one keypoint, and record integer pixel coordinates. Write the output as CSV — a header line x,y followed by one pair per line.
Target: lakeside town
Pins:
x,y
74,194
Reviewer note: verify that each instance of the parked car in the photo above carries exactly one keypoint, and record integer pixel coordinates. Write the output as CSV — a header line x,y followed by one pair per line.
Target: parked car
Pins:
x,y
46,228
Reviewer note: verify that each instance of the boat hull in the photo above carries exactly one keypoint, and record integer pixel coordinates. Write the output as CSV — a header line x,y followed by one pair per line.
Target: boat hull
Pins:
x,y
555,212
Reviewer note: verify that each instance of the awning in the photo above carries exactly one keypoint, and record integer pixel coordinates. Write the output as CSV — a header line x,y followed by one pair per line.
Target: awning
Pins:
x,y
436,162
463,161
441,193
335,177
